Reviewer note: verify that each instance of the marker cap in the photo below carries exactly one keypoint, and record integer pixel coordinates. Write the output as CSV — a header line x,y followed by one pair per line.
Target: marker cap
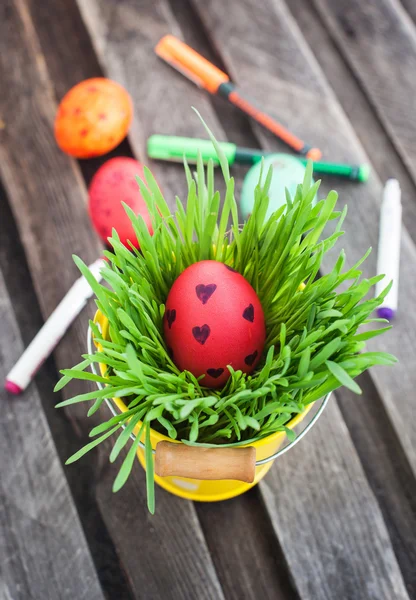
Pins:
x,y
191,64
363,172
12,387
384,312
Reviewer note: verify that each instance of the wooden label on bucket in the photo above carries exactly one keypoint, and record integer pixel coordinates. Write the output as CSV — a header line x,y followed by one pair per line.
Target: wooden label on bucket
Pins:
x,y
205,463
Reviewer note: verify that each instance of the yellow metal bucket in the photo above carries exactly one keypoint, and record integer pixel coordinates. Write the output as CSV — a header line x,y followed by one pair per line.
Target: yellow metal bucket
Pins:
x,y
209,490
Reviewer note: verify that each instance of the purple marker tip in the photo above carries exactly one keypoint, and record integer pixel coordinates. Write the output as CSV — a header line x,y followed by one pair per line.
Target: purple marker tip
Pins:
x,y
385,313
12,387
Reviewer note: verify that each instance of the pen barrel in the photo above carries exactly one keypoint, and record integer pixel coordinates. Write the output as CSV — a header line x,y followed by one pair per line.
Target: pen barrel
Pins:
x,y
353,172
51,332
249,156
388,258
46,339
229,91
175,149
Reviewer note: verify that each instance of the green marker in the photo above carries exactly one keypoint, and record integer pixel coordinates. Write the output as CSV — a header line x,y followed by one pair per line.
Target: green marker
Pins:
x,y
173,148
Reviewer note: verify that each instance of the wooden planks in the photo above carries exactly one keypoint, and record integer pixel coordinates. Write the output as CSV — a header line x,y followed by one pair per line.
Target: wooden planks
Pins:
x,y
378,40
249,548
47,194
41,543
333,522
282,91
387,472
327,520
410,7
162,100
124,41
313,110
28,316
357,105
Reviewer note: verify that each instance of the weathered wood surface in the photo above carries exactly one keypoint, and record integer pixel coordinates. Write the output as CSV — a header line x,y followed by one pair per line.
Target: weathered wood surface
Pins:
x,y
124,41
163,101
250,564
334,528
52,182
281,35
42,544
410,7
378,40
358,106
127,64
388,472
314,528
17,277
297,92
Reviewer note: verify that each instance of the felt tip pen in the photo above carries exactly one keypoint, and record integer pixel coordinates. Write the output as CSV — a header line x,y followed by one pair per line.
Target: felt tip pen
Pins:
x,y
173,148
388,257
52,331
206,75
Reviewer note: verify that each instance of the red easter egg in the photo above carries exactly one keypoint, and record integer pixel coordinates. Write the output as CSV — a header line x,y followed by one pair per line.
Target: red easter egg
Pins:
x,y
214,318
93,118
112,184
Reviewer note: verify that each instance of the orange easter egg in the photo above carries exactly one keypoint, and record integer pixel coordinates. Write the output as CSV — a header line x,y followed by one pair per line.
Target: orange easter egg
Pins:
x,y
93,118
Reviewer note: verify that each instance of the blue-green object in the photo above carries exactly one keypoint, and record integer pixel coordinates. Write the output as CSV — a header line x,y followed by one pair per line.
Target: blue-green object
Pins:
x,y
288,172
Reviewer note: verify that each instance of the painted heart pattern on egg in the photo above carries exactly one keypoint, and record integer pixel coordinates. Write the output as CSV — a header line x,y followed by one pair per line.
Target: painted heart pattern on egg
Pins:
x,y
248,313
215,373
249,360
170,317
201,334
204,292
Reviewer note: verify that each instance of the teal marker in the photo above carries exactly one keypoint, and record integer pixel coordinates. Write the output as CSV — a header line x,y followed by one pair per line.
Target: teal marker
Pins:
x,y
173,148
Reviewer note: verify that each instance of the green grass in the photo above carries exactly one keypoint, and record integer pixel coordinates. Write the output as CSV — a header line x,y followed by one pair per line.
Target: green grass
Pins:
x,y
312,347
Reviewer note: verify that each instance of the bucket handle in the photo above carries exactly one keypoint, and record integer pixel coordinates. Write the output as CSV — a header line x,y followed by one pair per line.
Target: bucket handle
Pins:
x,y
193,462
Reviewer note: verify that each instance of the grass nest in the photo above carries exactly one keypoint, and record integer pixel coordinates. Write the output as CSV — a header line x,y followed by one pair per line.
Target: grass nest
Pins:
x,y
313,345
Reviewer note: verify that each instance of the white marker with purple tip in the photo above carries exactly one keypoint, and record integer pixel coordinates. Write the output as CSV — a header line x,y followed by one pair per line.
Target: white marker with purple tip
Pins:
x,y
54,328
388,258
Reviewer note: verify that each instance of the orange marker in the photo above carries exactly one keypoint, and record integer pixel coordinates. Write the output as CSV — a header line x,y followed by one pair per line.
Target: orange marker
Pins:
x,y
206,75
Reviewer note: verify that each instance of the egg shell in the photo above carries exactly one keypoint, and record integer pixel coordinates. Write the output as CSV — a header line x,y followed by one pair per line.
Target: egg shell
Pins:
x,y
288,172
93,118
214,318
112,184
